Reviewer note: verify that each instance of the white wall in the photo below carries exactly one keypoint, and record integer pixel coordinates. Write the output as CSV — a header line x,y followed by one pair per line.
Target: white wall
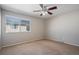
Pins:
x,y
64,28
0,28
37,31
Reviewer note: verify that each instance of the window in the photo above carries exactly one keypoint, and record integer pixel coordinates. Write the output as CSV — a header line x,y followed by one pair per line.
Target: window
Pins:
x,y
15,24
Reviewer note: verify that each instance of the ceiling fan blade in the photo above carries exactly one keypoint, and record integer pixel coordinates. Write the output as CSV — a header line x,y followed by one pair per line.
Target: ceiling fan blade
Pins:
x,y
49,13
52,8
41,5
37,10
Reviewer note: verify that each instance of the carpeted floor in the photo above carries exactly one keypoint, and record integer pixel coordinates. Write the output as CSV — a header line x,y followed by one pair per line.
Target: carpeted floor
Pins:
x,y
41,47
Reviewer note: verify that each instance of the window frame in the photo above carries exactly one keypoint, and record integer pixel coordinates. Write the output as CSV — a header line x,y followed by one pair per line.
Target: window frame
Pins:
x,y
19,18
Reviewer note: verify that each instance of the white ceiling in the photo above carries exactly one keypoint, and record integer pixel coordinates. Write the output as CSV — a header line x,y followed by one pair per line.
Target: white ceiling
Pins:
x,y
28,9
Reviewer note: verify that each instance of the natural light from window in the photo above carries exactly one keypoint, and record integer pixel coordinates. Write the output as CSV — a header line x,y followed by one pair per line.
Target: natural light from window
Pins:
x,y
15,24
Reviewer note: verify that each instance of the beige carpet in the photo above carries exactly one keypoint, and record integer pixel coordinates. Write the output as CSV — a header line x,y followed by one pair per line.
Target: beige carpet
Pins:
x,y
41,47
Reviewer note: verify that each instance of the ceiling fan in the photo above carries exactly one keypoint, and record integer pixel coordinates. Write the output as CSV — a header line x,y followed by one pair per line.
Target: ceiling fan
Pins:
x,y
45,10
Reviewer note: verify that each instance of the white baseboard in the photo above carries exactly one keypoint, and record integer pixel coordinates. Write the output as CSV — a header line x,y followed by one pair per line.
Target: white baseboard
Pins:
x,y
35,40
71,44
20,43
66,43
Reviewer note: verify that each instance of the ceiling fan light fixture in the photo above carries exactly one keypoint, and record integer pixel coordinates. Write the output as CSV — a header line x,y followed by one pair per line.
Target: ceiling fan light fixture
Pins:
x,y
43,13
45,10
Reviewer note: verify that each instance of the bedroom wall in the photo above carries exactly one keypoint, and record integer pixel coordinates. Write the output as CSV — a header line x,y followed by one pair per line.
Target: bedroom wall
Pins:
x,y
64,28
0,28
37,31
